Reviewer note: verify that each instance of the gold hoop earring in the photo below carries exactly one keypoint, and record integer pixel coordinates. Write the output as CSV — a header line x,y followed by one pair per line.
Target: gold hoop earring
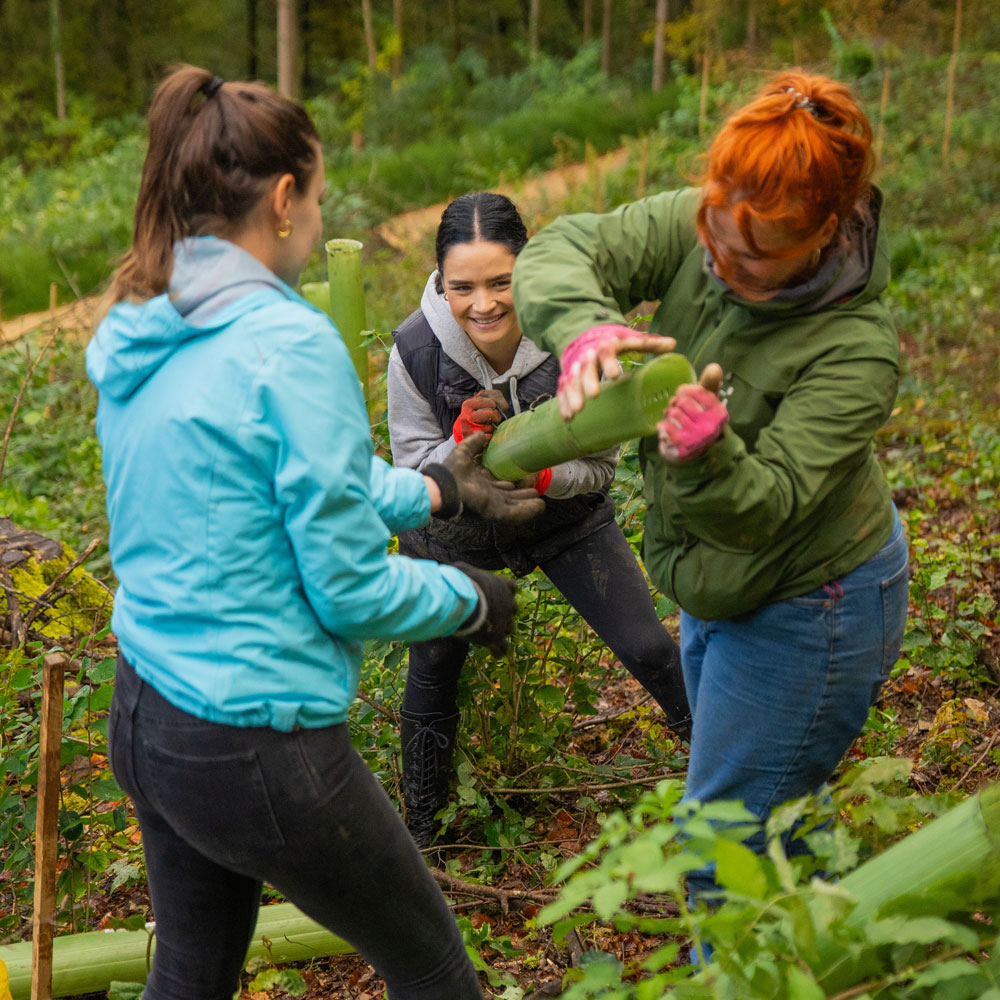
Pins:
x,y
446,296
284,231
814,257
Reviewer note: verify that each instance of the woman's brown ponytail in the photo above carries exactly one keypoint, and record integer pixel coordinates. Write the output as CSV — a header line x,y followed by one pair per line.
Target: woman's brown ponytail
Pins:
x,y
214,149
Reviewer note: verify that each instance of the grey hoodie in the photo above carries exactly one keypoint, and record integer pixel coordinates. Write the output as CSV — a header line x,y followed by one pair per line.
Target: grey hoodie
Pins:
x,y
414,432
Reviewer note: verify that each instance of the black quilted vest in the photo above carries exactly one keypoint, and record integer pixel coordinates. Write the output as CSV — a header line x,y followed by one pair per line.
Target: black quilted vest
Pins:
x,y
445,385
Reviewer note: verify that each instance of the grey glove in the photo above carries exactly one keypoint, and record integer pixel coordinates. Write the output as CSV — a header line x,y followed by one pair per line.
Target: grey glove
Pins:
x,y
466,484
493,620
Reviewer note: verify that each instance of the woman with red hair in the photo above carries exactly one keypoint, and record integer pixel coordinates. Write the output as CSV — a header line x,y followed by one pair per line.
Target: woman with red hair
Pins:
x,y
768,518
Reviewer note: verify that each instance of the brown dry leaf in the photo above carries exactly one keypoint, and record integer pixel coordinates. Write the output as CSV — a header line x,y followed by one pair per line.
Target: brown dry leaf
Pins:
x,y
977,709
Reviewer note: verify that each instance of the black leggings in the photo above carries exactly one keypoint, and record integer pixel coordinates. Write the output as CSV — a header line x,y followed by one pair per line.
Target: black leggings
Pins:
x,y
224,809
600,577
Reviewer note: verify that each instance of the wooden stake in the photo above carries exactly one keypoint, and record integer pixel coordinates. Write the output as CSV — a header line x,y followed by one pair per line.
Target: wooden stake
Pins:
x,y
882,112
949,105
606,22
594,172
47,826
659,40
640,189
288,49
703,103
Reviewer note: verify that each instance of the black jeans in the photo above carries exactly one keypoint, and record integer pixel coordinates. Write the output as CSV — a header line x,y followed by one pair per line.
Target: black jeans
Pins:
x,y
224,809
600,577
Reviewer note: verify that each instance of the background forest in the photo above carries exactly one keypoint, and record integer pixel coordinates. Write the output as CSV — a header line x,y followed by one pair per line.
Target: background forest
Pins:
x,y
564,766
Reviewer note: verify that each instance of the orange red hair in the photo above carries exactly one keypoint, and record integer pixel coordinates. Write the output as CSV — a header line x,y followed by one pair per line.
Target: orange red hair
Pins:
x,y
799,152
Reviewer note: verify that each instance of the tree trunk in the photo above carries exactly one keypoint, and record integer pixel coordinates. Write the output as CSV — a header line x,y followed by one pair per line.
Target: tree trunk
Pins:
x,y
252,39
751,24
305,53
882,111
533,13
366,16
55,30
703,100
606,38
456,41
288,49
588,20
662,14
949,106
397,57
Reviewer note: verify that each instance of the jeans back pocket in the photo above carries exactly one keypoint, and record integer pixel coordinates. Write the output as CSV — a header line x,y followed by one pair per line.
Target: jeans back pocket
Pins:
x,y
219,804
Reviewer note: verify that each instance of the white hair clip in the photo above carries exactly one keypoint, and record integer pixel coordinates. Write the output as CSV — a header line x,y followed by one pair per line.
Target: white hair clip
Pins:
x,y
801,101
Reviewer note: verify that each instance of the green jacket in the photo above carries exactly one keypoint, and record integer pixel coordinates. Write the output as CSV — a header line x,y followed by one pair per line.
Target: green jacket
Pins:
x,y
791,496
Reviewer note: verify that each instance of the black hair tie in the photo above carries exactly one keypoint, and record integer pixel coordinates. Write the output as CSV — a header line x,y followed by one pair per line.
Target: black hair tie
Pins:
x,y
211,88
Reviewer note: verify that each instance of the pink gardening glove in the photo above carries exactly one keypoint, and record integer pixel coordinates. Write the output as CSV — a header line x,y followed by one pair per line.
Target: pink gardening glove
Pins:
x,y
692,421
595,351
591,340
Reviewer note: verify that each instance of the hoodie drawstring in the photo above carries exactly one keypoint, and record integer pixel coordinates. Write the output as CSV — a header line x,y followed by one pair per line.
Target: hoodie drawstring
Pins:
x,y
514,401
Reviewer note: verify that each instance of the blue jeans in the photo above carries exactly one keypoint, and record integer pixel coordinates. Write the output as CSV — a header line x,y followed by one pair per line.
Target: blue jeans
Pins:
x,y
780,693
224,809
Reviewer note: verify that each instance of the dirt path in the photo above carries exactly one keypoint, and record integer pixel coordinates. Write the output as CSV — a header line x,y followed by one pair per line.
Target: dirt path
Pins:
x,y
75,319
402,232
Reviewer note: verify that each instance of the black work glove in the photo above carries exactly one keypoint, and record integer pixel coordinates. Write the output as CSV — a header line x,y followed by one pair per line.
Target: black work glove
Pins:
x,y
493,620
465,483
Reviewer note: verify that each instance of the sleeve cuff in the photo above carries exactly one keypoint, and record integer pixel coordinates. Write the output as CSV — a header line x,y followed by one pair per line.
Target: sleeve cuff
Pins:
x,y
728,449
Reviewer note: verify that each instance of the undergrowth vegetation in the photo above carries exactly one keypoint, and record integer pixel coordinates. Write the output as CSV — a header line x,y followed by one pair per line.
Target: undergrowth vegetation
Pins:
x,y
557,750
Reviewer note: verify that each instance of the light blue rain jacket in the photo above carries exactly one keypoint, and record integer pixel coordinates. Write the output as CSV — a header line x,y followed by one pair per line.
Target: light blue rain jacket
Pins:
x,y
249,515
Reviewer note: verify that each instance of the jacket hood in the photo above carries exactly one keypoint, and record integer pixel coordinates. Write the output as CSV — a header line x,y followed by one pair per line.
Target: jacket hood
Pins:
x,y
211,284
457,344
861,268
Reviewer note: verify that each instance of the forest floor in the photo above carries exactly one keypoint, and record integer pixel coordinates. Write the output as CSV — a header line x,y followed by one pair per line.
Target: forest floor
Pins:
x,y
930,716
949,728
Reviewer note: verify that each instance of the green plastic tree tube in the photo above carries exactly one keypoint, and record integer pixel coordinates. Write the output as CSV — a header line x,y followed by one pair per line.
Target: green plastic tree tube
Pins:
x,y
90,962
317,293
626,408
347,301
963,843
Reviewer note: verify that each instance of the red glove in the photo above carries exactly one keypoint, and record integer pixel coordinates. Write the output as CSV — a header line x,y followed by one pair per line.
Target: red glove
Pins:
x,y
480,413
692,421
591,340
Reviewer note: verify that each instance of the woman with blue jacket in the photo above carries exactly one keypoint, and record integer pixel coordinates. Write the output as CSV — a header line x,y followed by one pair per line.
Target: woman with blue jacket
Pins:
x,y
249,524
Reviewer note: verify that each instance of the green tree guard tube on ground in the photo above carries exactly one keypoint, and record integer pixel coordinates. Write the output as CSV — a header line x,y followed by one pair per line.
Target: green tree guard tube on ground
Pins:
x,y
960,849
91,961
628,407
347,301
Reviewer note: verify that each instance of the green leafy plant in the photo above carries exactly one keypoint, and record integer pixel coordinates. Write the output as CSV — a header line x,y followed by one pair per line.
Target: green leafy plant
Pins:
x,y
777,929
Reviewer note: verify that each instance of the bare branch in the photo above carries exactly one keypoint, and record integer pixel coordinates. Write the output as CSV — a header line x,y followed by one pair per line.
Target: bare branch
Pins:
x,y
20,396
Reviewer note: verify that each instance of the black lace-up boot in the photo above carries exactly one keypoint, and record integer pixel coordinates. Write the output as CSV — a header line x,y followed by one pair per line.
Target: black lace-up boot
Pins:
x,y
427,742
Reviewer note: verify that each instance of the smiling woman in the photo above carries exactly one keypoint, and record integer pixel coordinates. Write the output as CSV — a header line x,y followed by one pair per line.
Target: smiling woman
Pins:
x,y
476,279
460,365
